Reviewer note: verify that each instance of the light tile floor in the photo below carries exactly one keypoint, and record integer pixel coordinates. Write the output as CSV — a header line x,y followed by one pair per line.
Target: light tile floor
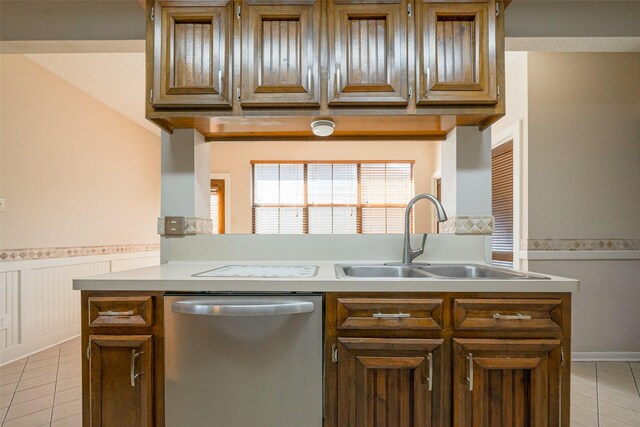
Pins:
x,y
45,390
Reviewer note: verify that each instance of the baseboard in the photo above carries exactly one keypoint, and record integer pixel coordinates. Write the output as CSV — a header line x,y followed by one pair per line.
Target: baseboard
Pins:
x,y
605,356
36,345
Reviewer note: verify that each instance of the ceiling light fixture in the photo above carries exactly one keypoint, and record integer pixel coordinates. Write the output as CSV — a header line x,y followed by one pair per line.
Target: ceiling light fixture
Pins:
x,y
322,127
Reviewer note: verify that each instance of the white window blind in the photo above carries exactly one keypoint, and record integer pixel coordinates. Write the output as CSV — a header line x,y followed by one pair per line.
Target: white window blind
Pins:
x,y
215,209
330,198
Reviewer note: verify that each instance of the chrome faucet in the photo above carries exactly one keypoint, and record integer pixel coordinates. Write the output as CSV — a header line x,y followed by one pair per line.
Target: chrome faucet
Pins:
x,y
408,254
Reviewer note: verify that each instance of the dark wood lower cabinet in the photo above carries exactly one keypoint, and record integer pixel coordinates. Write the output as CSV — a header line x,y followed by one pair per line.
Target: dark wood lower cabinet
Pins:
x,y
389,382
506,382
121,380
507,369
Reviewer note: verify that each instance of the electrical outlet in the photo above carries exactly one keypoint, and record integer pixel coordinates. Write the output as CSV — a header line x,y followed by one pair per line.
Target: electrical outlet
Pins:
x,y
3,205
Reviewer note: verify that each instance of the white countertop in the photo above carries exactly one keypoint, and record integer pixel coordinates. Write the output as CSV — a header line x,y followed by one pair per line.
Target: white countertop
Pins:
x,y
178,276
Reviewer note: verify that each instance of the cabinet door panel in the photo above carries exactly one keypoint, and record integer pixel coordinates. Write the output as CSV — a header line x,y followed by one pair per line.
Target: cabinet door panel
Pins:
x,y
192,55
389,382
121,380
280,64
456,53
506,382
368,53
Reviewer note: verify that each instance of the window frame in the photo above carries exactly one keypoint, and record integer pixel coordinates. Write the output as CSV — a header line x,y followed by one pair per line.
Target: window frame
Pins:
x,y
306,205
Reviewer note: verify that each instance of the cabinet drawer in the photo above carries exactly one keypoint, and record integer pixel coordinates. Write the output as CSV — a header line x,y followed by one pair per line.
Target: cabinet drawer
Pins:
x,y
389,313
120,311
507,314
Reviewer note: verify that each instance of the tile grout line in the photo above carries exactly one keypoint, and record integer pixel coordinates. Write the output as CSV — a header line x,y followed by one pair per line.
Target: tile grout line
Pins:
x,y
14,393
55,387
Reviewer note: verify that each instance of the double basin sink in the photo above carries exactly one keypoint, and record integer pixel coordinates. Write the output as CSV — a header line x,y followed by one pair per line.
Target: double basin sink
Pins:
x,y
425,271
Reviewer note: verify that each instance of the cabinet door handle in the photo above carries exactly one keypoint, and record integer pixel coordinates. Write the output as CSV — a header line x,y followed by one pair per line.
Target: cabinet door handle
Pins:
x,y
428,79
310,81
132,372
391,315
115,313
470,377
516,316
430,379
220,83
338,80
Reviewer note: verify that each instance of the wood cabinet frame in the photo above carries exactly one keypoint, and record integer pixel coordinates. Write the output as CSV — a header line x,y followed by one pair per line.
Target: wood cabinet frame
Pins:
x,y
394,91
216,93
483,88
254,92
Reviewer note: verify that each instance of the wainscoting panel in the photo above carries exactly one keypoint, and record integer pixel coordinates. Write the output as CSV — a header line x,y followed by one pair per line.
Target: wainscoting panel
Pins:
x,y
38,306
54,305
9,312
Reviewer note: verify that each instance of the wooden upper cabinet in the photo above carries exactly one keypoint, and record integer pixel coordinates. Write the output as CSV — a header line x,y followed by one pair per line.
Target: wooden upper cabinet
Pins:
x,y
390,382
506,382
456,52
192,54
367,52
121,380
280,53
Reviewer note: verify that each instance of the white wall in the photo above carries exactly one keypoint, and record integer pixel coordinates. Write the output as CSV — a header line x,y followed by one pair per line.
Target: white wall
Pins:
x,y
584,151
235,159
584,183
73,171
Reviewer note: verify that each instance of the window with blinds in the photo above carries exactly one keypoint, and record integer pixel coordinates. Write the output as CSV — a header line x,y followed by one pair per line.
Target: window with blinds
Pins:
x,y
502,204
217,205
330,197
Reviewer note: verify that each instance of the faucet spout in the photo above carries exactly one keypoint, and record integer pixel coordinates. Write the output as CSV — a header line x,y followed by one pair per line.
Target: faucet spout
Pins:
x,y
408,253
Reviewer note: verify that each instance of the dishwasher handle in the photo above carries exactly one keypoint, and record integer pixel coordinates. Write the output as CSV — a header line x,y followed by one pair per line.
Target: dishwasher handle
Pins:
x,y
221,307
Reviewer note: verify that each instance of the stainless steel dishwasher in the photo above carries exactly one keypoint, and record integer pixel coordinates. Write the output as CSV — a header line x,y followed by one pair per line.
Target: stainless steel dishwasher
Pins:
x,y
243,360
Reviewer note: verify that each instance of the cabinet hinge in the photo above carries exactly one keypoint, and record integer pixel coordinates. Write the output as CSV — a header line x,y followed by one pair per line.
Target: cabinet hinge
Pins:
x,y
89,351
239,12
409,9
334,353
561,356
151,96
497,9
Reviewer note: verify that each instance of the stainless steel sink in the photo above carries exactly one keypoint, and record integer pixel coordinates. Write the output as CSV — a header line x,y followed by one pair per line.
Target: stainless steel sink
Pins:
x,y
435,271
381,270
475,271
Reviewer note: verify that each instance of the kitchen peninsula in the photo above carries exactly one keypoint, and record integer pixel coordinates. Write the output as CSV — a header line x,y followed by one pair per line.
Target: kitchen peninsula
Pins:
x,y
440,351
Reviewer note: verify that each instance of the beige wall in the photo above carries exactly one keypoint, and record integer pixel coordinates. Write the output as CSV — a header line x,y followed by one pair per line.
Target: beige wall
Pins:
x,y
234,159
584,182
584,145
73,172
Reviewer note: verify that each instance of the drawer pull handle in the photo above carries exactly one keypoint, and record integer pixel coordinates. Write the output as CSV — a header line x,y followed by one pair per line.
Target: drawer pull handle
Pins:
x,y
115,313
470,377
516,316
391,315
134,376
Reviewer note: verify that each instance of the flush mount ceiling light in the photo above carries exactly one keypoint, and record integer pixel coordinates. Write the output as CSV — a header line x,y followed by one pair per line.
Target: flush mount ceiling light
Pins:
x,y
322,127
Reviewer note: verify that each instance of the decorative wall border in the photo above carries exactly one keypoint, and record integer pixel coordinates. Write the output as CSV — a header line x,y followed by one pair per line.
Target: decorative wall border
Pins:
x,y
192,225
468,225
72,251
580,245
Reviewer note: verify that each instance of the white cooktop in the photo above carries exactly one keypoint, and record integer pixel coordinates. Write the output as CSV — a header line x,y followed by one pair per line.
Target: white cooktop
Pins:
x,y
284,271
